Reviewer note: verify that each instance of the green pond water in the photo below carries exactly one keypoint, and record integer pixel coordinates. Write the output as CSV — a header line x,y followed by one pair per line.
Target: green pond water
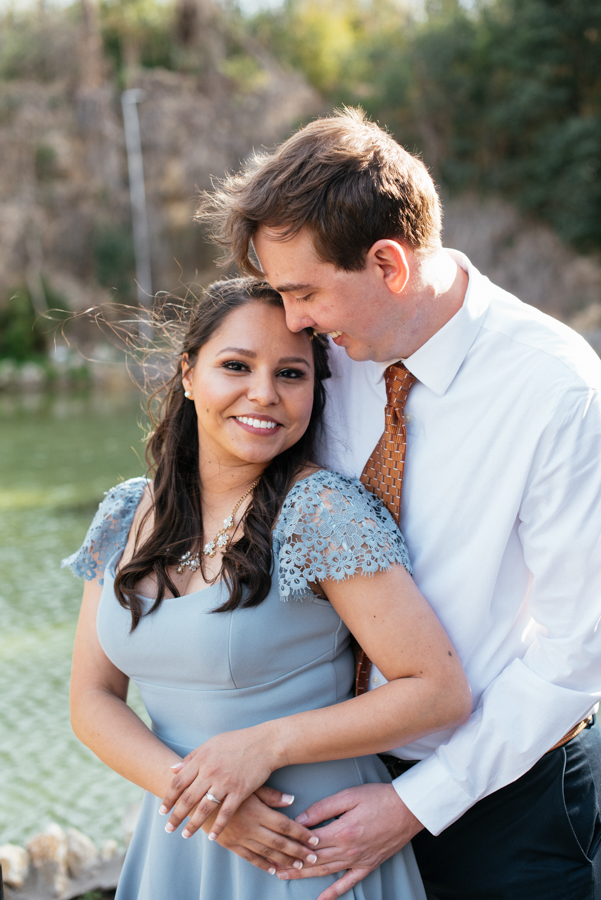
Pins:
x,y
58,455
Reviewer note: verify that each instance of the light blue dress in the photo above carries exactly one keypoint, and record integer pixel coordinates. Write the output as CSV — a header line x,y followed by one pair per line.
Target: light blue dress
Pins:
x,y
201,673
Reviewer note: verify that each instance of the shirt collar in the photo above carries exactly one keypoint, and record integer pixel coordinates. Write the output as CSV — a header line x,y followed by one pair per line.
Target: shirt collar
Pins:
x,y
437,361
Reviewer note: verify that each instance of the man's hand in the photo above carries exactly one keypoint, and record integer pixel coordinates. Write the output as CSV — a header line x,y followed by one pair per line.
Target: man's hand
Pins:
x,y
266,838
374,824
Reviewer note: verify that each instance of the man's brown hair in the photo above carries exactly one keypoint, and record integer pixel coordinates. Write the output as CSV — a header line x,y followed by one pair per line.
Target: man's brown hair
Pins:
x,y
342,177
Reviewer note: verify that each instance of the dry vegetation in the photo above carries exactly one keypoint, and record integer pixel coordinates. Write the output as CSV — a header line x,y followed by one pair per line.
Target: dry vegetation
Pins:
x,y
217,85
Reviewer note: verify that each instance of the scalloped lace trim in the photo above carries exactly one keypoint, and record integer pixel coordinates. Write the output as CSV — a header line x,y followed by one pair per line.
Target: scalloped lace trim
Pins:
x,y
108,531
331,527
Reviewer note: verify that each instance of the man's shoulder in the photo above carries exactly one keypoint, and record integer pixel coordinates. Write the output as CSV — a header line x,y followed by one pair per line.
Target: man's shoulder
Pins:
x,y
526,332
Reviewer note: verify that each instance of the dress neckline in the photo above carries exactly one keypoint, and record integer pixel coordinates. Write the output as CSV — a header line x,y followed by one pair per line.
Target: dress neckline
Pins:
x,y
111,571
115,559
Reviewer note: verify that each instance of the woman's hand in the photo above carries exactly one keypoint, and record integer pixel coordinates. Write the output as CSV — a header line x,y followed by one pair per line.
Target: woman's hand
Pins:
x,y
220,774
266,838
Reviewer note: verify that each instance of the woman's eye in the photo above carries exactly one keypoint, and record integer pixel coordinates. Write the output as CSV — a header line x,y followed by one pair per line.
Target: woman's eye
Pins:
x,y
292,373
232,365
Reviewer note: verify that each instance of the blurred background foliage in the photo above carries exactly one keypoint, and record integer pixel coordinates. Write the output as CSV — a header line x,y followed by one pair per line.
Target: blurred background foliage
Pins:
x,y
21,337
502,98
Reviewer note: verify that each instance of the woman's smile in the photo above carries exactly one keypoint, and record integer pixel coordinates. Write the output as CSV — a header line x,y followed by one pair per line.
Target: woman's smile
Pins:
x,y
258,424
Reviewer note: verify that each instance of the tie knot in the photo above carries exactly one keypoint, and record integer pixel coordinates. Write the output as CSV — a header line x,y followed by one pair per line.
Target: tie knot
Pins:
x,y
399,382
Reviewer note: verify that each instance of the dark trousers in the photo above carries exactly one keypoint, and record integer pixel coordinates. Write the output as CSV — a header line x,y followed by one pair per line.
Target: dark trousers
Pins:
x,y
539,838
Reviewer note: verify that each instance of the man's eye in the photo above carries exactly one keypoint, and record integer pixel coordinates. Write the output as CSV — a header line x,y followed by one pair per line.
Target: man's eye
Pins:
x,y
303,299
292,373
232,365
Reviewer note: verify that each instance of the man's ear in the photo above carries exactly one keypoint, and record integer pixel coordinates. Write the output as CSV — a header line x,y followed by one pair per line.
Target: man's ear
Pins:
x,y
390,258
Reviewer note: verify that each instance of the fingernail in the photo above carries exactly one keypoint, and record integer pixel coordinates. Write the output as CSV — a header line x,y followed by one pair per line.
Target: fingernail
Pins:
x,y
314,841
177,767
186,833
212,836
297,864
288,799
163,810
311,858
169,828
301,819
283,876
271,871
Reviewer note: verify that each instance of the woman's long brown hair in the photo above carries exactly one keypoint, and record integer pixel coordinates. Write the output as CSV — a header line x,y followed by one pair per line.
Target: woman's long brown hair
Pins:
x,y
172,454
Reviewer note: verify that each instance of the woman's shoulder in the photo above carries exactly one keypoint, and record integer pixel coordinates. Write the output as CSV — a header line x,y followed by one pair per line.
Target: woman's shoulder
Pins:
x,y
125,494
332,527
328,492
120,505
109,529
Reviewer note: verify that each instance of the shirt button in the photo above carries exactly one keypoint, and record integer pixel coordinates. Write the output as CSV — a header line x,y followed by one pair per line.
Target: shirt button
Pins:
x,y
408,418
375,680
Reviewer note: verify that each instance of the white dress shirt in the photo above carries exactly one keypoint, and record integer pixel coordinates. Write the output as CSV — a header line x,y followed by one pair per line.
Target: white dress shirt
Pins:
x,y
502,516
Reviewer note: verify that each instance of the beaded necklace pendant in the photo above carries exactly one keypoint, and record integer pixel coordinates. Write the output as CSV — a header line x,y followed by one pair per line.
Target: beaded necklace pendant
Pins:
x,y
219,542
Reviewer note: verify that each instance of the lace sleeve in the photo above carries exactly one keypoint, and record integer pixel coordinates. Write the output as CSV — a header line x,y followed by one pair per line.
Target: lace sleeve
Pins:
x,y
331,527
108,531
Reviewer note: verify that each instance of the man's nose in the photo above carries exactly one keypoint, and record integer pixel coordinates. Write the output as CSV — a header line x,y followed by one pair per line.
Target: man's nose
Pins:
x,y
296,316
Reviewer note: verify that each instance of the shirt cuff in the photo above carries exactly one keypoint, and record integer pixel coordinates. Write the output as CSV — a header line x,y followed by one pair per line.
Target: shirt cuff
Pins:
x,y
433,798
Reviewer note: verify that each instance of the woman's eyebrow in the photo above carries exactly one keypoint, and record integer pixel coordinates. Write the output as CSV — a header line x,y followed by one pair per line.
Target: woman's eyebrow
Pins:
x,y
240,351
285,360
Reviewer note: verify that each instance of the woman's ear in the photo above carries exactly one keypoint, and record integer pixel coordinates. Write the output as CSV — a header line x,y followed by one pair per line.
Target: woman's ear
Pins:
x,y
186,373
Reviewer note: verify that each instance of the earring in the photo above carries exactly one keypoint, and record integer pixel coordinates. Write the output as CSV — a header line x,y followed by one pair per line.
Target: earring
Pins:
x,y
187,395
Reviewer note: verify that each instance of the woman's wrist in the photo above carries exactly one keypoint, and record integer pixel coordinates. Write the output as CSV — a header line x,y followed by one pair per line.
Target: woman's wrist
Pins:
x,y
275,738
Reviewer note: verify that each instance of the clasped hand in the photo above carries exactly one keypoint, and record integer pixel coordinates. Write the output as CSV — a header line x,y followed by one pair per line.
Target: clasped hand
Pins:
x,y
229,767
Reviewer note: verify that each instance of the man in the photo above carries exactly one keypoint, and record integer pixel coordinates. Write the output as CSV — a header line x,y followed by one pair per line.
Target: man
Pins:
x,y
500,511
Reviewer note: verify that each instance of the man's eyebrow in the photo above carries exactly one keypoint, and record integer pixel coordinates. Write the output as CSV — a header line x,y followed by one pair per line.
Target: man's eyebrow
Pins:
x,y
293,288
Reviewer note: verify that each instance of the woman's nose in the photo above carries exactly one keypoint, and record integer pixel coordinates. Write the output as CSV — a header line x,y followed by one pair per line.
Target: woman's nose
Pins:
x,y
263,389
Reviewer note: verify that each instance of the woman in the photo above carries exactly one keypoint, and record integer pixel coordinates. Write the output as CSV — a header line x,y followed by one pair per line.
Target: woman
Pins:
x,y
237,519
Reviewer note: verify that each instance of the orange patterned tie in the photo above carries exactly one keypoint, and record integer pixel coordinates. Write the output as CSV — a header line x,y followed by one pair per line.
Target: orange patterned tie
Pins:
x,y
383,472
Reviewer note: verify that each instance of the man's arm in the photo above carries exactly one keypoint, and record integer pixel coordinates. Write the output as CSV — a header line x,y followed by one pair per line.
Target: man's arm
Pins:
x,y
534,700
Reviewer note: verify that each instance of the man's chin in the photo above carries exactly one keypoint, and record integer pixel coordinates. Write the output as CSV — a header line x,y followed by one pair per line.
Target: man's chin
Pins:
x,y
358,353
361,353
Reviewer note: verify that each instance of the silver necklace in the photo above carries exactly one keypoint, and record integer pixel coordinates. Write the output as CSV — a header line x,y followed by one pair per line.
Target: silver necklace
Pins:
x,y
220,540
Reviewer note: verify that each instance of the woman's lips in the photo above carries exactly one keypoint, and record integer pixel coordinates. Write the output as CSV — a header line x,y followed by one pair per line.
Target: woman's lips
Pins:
x,y
258,425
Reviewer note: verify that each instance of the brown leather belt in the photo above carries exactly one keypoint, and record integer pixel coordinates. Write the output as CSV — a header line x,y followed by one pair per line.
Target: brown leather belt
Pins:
x,y
397,767
573,732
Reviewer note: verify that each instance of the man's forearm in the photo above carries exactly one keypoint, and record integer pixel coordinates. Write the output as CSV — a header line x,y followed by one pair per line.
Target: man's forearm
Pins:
x,y
521,718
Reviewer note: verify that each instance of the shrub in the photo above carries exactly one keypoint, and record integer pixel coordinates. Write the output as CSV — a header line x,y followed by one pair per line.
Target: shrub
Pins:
x,y
21,332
